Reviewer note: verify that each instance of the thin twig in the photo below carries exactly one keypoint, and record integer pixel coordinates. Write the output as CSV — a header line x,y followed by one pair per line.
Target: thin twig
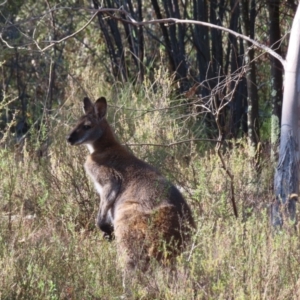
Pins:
x,y
69,36
172,144
231,176
218,148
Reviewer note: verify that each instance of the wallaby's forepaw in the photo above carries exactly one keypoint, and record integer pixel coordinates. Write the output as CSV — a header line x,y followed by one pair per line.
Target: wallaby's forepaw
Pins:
x,y
109,236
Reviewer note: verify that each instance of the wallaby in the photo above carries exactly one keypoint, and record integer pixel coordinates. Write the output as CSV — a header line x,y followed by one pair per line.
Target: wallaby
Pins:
x,y
148,215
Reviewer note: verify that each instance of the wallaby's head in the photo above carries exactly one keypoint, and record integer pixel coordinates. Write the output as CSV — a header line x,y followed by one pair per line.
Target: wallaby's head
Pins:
x,y
90,126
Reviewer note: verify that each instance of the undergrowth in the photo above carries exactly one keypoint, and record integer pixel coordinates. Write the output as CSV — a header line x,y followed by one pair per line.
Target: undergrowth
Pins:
x,y
51,249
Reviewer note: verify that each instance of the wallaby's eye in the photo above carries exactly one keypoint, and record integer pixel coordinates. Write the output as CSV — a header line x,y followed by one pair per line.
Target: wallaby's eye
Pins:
x,y
86,127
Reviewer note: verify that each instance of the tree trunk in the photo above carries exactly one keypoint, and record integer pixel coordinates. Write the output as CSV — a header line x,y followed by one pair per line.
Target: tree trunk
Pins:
x,y
234,60
177,35
276,74
286,181
108,42
165,35
248,21
201,42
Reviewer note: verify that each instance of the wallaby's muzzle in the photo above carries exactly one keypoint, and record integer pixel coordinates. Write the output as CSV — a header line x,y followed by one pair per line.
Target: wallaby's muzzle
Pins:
x,y
70,139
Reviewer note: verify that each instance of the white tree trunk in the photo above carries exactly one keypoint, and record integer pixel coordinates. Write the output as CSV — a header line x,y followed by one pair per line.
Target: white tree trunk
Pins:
x,y
286,181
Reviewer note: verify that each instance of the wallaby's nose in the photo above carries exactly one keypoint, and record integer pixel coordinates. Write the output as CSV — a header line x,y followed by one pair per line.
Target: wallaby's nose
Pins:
x,y
69,139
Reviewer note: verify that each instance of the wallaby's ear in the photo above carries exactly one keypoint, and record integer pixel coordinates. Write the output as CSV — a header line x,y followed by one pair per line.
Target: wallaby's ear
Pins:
x,y
87,105
101,107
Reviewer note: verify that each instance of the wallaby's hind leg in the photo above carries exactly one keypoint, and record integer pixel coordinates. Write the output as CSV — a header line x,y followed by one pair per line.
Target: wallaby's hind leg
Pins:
x,y
128,256
159,234
130,235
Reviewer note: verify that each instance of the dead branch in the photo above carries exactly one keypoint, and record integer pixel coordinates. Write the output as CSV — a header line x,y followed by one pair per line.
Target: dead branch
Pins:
x,y
168,21
173,144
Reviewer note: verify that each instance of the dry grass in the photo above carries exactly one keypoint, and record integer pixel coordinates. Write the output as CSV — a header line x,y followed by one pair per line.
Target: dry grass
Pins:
x,y
50,248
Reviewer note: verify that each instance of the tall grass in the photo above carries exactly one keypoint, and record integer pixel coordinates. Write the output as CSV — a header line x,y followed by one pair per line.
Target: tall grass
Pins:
x,y
51,249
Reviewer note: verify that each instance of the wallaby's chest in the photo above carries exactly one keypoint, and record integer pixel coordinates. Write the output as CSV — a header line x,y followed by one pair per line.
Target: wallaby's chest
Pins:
x,y
96,178
98,187
97,171
102,176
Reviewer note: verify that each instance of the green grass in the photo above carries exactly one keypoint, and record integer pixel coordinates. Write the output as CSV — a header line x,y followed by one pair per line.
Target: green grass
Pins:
x,y
51,249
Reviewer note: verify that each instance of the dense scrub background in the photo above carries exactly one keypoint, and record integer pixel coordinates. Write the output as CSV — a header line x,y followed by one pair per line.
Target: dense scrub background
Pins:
x,y
49,245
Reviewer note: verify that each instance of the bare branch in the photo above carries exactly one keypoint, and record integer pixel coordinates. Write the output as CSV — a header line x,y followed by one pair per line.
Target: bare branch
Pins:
x,y
172,21
173,144
71,35
167,22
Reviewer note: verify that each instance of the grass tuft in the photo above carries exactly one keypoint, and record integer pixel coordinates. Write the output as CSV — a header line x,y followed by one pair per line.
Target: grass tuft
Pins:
x,y
51,249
